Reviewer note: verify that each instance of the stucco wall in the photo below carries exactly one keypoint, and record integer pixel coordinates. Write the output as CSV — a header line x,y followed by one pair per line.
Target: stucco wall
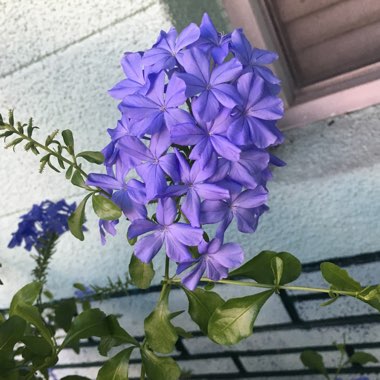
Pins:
x,y
56,65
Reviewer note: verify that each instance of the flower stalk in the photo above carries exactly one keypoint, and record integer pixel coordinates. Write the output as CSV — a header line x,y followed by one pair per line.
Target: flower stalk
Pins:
x,y
177,281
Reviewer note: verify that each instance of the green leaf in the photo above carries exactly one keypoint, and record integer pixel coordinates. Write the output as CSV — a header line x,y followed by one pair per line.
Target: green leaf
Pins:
x,y
234,320
339,278
362,358
104,208
183,333
14,143
31,315
259,268
77,218
175,314
91,322
79,286
370,293
92,156
20,127
371,296
65,311
21,305
159,368
292,267
141,273
277,266
37,345
329,302
209,286
202,305
117,336
12,374
11,118
77,180
51,137
11,332
27,294
68,138
30,128
160,333
69,172
314,361
75,377
117,367
6,134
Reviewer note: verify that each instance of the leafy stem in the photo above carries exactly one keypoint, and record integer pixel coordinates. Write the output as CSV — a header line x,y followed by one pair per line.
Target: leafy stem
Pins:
x,y
272,286
53,152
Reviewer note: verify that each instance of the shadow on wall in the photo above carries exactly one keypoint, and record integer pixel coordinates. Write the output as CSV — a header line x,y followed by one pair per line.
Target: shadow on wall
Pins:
x,y
182,12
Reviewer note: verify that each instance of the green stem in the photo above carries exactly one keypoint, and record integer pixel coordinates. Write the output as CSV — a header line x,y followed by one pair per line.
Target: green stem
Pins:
x,y
167,264
142,373
270,286
52,152
34,370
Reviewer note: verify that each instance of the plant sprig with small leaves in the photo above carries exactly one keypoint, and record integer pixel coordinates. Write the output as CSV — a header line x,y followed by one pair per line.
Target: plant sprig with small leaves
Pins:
x,y
349,360
55,157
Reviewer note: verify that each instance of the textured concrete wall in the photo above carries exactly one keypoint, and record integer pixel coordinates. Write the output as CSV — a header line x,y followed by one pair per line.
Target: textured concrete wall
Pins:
x,y
58,60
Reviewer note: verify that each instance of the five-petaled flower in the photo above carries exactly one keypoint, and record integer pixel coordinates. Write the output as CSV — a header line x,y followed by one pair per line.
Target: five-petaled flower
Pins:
x,y
176,236
215,259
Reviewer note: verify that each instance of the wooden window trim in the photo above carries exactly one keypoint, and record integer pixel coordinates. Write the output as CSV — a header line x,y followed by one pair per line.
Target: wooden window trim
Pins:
x,y
341,94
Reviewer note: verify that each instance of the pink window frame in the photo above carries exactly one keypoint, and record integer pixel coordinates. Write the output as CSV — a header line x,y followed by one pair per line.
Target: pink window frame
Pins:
x,y
323,100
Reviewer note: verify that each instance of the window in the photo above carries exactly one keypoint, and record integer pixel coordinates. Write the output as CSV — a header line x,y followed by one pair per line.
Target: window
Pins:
x,y
329,52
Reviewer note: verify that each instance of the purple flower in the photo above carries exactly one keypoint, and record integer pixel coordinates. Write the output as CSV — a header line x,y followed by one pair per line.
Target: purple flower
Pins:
x,y
176,236
211,41
165,51
210,139
252,58
215,259
244,206
107,226
137,78
250,118
155,163
43,220
211,85
195,187
151,112
112,154
85,293
52,375
130,196
248,170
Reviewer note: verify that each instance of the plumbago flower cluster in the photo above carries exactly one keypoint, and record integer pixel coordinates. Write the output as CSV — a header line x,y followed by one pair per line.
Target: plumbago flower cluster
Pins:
x,y
347,358
198,113
188,158
40,229
43,220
